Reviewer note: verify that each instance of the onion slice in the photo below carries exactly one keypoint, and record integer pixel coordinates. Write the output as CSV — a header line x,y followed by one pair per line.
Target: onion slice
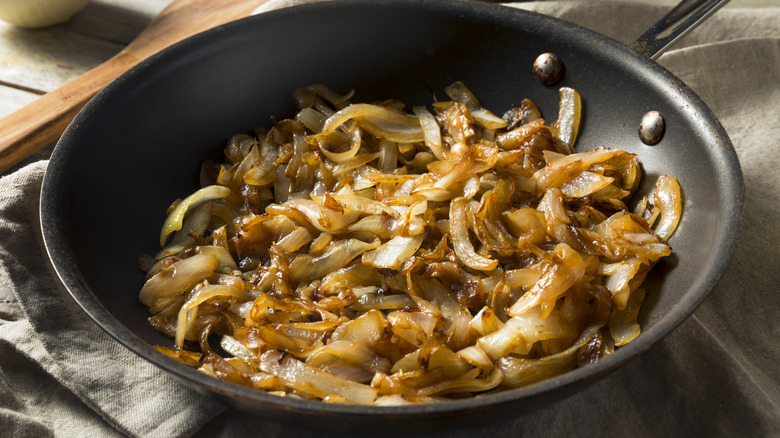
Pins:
x,y
310,380
567,126
460,239
381,121
189,309
431,131
554,281
391,254
174,220
306,267
668,198
178,278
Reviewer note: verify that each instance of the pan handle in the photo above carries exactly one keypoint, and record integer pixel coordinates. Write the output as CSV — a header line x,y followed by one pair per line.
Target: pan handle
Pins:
x,y
679,21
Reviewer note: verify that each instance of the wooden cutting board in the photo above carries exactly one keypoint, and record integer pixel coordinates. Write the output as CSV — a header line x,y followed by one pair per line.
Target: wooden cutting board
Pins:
x,y
41,122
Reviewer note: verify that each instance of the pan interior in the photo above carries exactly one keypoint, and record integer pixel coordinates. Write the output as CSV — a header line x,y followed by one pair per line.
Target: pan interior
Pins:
x,y
139,144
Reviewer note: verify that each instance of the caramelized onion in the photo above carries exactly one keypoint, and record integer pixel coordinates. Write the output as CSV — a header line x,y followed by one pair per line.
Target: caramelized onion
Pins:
x,y
362,254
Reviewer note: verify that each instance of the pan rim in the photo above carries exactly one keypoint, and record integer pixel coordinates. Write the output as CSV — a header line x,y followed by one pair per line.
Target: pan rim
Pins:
x,y
58,247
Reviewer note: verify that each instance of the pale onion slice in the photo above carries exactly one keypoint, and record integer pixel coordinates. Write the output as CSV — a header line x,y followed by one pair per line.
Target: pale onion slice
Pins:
x,y
471,187
623,325
320,242
352,352
283,186
438,195
295,239
382,302
584,184
345,370
300,147
177,278
310,380
439,357
476,357
380,121
551,205
355,141
413,327
391,254
610,192
407,364
224,259
362,204
459,335
619,276
368,329
668,198
382,226
320,217
485,321
521,332
196,221
237,349
567,126
460,239
431,131
550,156
337,255
433,291
174,220
312,119
524,277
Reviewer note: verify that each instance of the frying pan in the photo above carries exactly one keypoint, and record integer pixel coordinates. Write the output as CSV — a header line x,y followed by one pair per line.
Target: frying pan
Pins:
x,y
140,142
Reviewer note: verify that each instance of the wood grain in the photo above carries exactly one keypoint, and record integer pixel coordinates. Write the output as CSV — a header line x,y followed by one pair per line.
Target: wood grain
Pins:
x,y
41,122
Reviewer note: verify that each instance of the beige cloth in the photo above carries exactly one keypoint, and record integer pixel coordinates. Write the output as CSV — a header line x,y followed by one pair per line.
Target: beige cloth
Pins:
x,y
716,375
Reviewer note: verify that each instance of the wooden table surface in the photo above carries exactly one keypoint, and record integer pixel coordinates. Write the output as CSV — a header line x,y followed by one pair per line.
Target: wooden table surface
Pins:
x,y
36,61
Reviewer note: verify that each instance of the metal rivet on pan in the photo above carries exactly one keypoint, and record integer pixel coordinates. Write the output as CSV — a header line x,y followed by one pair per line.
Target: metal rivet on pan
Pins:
x,y
548,69
651,128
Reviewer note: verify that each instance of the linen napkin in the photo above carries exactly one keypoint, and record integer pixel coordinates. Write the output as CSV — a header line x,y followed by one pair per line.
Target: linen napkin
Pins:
x,y
716,375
